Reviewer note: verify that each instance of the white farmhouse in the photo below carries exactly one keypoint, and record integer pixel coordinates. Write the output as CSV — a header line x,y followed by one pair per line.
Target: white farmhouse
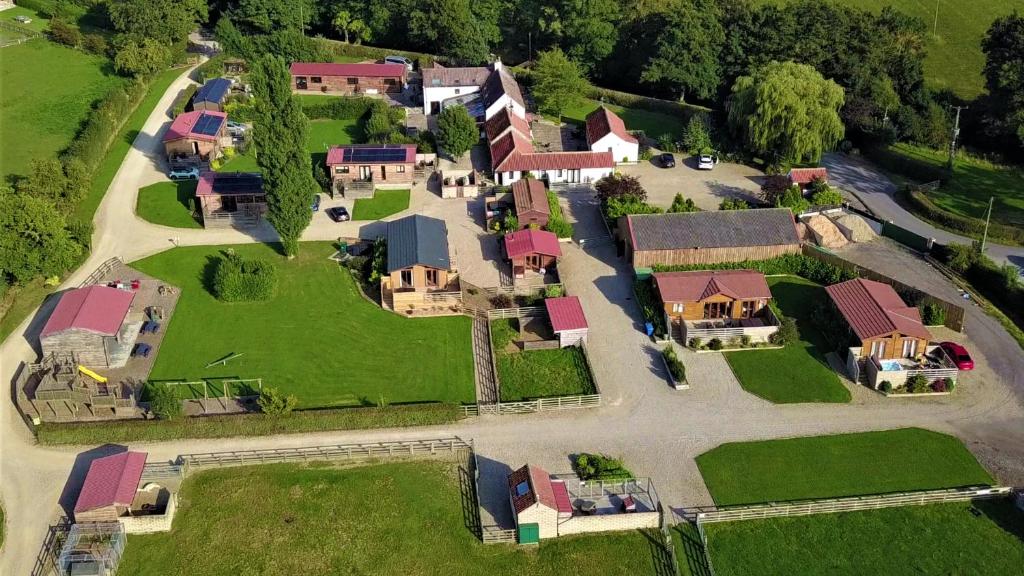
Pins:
x,y
494,85
607,132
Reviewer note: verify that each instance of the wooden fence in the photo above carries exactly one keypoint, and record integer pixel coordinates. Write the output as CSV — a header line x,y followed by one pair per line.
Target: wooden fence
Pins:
x,y
955,315
852,504
531,406
452,446
525,312
522,289
101,271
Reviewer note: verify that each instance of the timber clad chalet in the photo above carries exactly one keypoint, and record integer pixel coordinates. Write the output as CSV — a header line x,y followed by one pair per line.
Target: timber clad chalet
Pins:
x,y
196,137
531,200
531,251
348,78
94,324
879,319
713,294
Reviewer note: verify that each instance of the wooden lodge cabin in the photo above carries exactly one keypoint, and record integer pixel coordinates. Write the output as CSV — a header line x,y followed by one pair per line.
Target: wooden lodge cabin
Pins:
x,y
713,294
712,237
110,487
231,198
93,324
879,320
361,78
532,250
419,266
531,202
196,137
212,95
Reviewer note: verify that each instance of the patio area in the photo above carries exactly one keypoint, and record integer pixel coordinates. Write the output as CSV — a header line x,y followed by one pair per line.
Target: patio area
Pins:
x,y
758,329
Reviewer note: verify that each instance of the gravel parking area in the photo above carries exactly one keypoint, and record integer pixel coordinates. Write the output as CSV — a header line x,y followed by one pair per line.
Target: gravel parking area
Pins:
x,y
707,188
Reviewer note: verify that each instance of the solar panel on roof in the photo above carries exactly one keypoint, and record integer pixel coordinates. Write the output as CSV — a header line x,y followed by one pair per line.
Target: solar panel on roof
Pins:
x,y
374,154
238,184
207,125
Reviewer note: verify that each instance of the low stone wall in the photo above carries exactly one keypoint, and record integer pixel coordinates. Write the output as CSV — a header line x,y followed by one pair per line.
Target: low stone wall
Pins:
x,y
151,524
608,523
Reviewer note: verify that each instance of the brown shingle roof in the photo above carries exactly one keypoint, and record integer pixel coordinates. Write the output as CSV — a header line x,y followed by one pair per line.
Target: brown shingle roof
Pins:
x,y
699,285
439,76
529,195
874,309
502,122
602,122
538,484
713,229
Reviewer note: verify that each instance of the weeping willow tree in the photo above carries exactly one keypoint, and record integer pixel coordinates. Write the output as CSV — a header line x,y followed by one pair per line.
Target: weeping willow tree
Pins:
x,y
787,109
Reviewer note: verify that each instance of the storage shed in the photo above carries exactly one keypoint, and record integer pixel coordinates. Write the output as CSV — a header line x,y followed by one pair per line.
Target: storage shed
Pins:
x,y
532,251
538,503
110,487
567,320
531,200
92,323
707,237
211,95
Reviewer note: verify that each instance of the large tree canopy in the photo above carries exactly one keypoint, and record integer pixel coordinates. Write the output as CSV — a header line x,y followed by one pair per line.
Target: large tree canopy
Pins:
x,y
687,51
788,110
279,135
166,21
1004,76
456,131
558,82
454,29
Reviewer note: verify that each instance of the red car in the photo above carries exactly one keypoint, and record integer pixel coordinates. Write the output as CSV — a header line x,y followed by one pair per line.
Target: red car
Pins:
x,y
959,355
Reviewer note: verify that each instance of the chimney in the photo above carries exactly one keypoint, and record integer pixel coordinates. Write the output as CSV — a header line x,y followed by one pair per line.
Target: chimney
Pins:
x,y
496,65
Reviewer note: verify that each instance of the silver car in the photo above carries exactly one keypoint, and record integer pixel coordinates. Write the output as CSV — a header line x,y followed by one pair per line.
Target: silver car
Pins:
x,y
706,162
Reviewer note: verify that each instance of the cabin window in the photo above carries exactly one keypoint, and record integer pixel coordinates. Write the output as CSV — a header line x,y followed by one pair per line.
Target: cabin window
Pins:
x,y
677,308
909,348
316,79
341,169
400,169
352,81
406,278
432,278
716,310
457,91
389,81
878,348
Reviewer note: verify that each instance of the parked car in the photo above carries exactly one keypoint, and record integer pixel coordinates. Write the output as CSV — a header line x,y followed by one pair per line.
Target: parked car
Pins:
x,y
23,19
236,128
316,203
667,160
338,214
394,59
184,174
412,131
958,354
706,162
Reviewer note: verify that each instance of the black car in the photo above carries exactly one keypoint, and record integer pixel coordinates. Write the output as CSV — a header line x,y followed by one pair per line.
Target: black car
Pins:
x,y
667,160
338,214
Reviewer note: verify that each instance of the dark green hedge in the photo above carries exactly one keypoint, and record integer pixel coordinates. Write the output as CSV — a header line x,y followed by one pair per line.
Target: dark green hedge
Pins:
x,y
796,264
104,122
238,279
923,206
337,108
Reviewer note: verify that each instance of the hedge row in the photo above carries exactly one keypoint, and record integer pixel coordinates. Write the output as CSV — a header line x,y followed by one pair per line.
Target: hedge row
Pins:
x,y
924,206
337,107
909,167
94,433
340,48
104,122
795,264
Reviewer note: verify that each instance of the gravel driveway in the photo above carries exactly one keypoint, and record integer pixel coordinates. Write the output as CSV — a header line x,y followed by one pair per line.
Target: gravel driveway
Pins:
x,y
707,188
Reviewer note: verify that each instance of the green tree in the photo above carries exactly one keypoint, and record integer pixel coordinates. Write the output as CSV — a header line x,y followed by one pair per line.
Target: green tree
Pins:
x,y
680,204
793,198
279,136
274,403
349,25
618,186
166,21
733,204
34,238
788,110
456,131
267,16
163,402
231,39
1004,76
697,137
590,29
450,28
687,51
139,56
559,82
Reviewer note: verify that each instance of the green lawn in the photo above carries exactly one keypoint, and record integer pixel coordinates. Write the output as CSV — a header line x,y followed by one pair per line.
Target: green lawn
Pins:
x,y
240,163
653,124
935,539
168,203
404,518
955,59
38,23
384,203
838,465
798,372
40,113
322,135
537,373
974,181
317,338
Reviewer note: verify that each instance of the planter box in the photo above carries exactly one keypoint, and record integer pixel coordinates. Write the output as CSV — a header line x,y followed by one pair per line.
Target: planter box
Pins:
x,y
684,385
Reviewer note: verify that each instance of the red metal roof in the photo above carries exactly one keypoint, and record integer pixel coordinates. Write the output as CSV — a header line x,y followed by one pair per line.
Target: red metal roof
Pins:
x,y
602,122
98,309
511,144
111,480
702,284
874,309
530,241
530,195
358,70
502,121
538,483
186,121
336,154
561,496
565,313
806,175
556,161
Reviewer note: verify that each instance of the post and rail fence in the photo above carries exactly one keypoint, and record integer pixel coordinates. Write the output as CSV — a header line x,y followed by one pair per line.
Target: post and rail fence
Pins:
x,y
101,271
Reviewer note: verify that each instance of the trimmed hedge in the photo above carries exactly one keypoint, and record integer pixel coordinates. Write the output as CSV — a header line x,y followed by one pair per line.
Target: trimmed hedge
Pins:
x,y
238,279
94,433
104,122
183,98
795,264
675,365
923,206
650,304
557,224
337,108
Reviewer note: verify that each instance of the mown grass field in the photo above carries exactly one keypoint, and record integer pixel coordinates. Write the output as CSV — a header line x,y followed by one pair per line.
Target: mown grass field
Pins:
x,y
537,373
404,518
974,182
316,338
42,109
168,203
653,124
797,372
322,134
955,59
383,204
983,537
838,465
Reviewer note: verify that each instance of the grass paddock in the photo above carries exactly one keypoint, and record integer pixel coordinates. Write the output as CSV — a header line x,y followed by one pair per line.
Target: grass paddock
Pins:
x,y
168,204
383,204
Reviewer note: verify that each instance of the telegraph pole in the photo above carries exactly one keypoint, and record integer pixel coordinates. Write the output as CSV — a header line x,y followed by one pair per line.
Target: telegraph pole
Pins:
x,y
988,217
956,134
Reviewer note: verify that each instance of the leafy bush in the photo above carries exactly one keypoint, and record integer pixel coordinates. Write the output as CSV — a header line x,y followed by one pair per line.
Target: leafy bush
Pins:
x,y
650,304
918,383
933,315
599,467
616,207
184,97
787,332
63,33
645,154
273,403
796,264
827,197
337,108
680,204
696,343
163,402
793,199
426,143
238,279
554,291
885,386
675,365
745,340
95,44
939,385
620,186
733,204
667,143
715,344
501,301
557,224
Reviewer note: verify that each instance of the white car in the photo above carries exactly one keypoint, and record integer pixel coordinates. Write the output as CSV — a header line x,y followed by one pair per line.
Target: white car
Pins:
x,y
184,174
393,59
236,128
706,162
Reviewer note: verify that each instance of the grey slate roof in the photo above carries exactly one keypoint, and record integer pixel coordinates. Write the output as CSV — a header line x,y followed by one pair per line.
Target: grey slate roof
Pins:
x,y
419,240
714,229
501,82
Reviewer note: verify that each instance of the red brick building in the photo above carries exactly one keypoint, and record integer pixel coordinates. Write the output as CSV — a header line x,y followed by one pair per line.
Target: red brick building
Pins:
x,y
348,78
196,137
380,164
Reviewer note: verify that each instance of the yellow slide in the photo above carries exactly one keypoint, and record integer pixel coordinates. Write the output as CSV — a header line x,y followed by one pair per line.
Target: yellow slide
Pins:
x,y
92,374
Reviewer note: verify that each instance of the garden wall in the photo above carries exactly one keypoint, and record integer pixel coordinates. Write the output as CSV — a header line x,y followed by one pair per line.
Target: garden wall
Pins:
x,y
153,523
608,523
